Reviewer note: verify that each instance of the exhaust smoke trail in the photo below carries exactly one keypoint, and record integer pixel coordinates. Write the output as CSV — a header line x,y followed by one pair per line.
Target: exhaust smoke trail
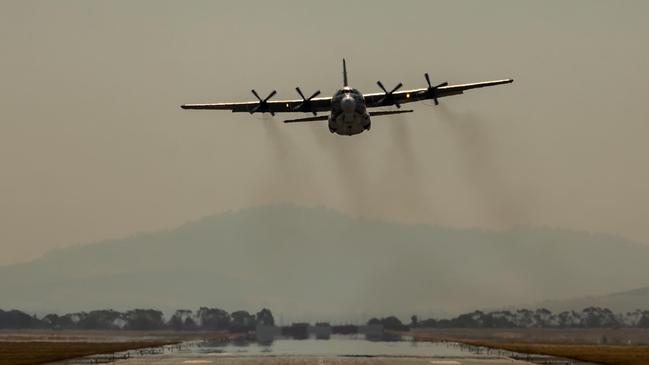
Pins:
x,y
289,174
404,161
480,164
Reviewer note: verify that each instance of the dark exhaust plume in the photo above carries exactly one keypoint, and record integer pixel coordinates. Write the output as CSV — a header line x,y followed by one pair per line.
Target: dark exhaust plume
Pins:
x,y
504,204
406,161
289,175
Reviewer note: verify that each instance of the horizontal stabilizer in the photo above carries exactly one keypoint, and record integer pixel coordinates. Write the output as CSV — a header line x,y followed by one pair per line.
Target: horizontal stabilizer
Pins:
x,y
309,119
389,112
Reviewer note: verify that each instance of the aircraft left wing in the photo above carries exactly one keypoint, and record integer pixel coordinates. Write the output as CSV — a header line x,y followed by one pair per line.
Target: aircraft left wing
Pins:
x,y
306,105
397,98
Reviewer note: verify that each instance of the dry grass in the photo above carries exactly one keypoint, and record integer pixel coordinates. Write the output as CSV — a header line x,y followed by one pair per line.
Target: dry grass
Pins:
x,y
105,335
24,353
577,336
601,354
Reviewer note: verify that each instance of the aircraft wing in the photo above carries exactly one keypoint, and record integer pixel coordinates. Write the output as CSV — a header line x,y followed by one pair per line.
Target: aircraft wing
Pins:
x,y
434,93
313,104
269,106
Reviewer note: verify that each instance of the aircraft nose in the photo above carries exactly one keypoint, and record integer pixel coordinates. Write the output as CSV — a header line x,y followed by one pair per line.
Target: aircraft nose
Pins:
x,y
348,104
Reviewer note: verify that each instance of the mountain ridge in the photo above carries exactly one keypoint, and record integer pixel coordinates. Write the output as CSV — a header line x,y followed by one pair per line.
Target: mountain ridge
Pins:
x,y
619,302
319,262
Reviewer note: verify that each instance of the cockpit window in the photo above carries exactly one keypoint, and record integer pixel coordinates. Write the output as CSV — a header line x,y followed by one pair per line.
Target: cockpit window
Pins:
x,y
345,91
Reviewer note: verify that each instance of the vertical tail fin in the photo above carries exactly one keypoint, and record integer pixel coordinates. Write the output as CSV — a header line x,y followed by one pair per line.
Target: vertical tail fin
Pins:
x,y
345,73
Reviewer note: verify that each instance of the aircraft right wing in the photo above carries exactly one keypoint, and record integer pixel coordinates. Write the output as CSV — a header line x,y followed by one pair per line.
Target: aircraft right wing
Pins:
x,y
395,97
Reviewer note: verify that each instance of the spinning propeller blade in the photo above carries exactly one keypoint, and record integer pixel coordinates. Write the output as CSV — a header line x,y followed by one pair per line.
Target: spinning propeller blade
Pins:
x,y
306,105
388,98
263,105
432,90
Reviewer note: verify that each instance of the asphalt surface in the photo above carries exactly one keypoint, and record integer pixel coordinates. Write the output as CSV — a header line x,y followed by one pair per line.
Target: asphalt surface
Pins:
x,y
168,359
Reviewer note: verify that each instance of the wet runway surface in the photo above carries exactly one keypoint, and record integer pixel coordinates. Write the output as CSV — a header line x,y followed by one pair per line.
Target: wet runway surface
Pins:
x,y
316,360
338,350
355,345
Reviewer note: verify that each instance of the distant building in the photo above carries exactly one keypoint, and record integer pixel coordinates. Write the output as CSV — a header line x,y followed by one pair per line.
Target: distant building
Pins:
x,y
322,331
266,334
372,331
298,331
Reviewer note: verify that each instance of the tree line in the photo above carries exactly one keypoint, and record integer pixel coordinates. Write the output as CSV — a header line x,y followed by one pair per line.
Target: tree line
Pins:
x,y
141,319
591,317
242,321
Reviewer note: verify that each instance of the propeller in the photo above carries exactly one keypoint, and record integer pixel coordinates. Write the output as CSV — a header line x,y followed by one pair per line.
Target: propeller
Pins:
x,y
306,105
263,103
388,97
432,90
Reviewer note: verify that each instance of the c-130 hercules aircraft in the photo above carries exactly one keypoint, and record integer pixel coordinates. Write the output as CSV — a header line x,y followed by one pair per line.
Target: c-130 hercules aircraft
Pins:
x,y
348,106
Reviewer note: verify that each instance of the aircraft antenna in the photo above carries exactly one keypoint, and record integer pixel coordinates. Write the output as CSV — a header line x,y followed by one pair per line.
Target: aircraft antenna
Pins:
x,y
345,73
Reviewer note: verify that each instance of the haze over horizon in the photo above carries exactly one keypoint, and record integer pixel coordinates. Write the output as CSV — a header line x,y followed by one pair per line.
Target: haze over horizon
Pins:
x,y
94,146
319,264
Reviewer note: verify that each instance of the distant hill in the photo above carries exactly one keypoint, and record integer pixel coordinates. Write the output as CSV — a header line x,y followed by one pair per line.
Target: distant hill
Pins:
x,y
312,262
621,302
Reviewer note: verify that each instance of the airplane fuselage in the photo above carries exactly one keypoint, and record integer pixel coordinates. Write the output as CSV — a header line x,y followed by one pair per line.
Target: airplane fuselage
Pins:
x,y
349,114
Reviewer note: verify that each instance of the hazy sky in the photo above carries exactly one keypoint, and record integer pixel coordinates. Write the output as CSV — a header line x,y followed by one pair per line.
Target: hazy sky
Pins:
x,y
93,144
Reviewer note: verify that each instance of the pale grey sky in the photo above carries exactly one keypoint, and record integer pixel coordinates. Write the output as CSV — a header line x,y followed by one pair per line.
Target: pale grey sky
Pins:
x,y
93,144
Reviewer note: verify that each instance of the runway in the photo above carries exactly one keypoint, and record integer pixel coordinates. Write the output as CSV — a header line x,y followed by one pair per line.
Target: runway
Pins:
x,y
169,359
339,350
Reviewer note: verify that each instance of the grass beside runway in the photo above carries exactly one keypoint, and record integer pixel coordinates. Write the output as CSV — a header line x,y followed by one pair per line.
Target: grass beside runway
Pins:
x,y
25,353
600,354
